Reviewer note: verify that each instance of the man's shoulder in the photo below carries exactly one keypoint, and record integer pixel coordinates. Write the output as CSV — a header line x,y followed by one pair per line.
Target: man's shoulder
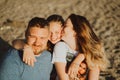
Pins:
x,y
12,57
46,55
46,52
13,51
13,54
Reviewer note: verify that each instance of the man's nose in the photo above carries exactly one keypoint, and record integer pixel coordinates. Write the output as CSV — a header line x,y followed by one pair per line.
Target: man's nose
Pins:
x,y
37,41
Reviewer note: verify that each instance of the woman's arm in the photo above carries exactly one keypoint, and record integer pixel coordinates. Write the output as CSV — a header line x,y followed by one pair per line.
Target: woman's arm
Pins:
x,y
61,70
73,69
79,59
94,73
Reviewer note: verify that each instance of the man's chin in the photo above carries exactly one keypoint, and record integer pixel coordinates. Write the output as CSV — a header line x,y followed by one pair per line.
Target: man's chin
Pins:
x,y
37,52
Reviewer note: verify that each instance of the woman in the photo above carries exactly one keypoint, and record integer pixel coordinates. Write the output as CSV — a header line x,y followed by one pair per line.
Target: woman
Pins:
x,y
79,38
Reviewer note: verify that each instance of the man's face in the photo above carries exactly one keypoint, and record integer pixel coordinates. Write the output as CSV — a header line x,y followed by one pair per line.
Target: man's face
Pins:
x,y
37,39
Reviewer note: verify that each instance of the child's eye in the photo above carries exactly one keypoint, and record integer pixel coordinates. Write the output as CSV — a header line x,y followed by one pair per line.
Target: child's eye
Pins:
x,y
56,32
42,37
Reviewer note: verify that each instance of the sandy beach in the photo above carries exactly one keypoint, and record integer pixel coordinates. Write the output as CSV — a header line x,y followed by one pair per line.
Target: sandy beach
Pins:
x,y
104,15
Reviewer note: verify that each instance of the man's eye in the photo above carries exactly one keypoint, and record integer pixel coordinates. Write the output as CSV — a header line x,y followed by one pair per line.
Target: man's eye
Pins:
x,y
31,36
42,37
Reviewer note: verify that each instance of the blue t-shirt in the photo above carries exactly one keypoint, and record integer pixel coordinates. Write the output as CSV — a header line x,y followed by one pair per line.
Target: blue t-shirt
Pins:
x,y
13,68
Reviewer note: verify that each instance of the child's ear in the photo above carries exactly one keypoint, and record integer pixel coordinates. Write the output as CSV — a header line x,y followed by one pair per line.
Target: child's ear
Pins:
x,y
74,34
61,29
49,37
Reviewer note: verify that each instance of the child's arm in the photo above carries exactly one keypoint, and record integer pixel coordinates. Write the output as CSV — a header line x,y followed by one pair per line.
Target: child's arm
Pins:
x,y
73,69
28,55
18,44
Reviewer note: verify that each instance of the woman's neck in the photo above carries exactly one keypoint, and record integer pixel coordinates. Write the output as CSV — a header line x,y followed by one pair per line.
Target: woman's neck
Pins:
x,y
71,43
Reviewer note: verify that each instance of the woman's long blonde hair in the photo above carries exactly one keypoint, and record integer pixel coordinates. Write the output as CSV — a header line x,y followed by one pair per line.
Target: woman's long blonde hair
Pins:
x,y
88,43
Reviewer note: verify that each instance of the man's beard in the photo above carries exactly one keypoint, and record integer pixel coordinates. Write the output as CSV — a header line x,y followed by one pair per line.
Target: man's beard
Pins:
x,y
38,50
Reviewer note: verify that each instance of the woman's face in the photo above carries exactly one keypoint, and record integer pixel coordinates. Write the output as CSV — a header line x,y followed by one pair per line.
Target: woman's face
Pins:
x,y
55,32
68,32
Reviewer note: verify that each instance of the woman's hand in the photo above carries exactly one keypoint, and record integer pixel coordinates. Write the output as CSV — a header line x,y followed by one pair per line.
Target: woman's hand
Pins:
x,y
28,55
73,70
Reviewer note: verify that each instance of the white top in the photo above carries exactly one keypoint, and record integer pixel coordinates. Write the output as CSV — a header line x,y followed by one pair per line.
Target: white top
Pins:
x,y
62,53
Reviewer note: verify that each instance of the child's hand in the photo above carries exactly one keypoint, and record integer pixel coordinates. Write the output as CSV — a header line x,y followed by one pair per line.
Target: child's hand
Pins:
x,y
28,56
73,70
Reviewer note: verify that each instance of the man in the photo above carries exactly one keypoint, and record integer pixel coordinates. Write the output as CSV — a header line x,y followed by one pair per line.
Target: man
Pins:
x,y
13,68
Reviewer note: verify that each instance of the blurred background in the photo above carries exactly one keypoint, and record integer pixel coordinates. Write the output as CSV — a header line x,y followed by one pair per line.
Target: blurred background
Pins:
x,y
104,16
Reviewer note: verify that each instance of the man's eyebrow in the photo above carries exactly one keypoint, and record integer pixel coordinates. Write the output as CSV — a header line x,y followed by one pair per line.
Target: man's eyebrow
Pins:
x,y
30,35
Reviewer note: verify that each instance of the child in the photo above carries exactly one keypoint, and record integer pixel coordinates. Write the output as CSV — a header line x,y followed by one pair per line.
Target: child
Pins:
x,y
18,44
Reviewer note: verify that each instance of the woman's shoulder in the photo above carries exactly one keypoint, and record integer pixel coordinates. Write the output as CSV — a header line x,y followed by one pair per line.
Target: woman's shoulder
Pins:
x,y
46,52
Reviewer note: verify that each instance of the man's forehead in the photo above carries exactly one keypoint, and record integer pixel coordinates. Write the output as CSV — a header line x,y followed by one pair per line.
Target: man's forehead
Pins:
x,y
39,31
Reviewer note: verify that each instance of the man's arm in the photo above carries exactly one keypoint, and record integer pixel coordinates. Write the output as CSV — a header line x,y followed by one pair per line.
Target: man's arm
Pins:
x,y
9,69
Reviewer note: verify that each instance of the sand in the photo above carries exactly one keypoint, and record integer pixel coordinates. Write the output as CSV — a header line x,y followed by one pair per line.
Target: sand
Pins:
x,y
104,15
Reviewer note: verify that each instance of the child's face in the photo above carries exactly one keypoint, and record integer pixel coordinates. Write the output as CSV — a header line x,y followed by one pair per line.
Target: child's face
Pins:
x,y
55,32
82,68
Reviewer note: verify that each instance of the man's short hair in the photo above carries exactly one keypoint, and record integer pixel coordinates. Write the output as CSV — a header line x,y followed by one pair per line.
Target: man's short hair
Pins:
x,y
36,22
